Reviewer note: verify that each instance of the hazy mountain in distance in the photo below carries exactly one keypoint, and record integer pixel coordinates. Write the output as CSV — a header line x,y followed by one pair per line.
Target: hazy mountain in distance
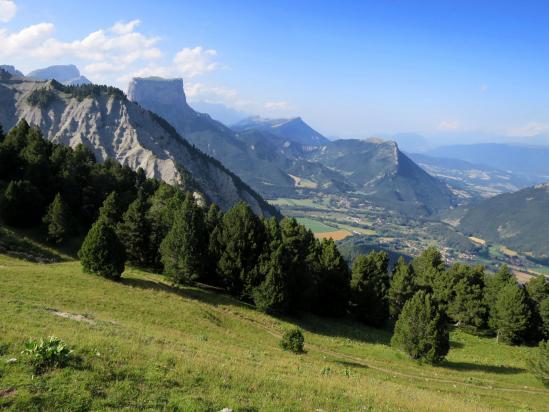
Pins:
x,y
10,69
528,160
104,120
67,74
517,220
220,112
383,173
470,180
294,129
287,158
257,164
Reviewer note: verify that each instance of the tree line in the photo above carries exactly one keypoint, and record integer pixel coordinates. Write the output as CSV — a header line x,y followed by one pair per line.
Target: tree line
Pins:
x,y
276,264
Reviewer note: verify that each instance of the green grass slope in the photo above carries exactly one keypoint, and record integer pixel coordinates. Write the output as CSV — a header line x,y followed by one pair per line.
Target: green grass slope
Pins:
x,y
142,345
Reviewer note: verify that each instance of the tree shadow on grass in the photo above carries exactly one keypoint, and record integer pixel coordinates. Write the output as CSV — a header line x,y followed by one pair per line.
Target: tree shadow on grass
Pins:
x,y
344,327
456,345
474,367
207,294
350,364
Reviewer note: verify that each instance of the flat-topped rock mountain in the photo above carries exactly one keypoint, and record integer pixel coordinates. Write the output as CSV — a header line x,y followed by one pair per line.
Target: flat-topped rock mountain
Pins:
x,y
103,119
287,158
10,69
67,74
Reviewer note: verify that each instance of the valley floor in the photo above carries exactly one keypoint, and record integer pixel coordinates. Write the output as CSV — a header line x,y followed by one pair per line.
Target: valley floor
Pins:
x,y
142,344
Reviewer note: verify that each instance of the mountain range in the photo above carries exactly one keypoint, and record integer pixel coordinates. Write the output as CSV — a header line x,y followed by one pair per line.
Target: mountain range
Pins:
x,y
287,158
103,119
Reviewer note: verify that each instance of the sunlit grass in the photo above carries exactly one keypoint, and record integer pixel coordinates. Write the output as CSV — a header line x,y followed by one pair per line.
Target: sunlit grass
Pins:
x,y
146,345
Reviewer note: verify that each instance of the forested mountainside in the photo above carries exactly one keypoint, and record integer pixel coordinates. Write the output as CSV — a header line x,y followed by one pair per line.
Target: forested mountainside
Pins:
x,y
103,119
517,220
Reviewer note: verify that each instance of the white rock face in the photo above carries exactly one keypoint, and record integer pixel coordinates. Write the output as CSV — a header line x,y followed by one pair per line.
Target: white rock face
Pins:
x,y
114,127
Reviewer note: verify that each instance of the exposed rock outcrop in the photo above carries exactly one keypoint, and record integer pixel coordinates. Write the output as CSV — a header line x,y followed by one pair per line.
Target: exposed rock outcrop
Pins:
x,y
107,122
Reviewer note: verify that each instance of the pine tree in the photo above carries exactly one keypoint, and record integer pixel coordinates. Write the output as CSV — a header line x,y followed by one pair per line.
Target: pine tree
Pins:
x,y
420,330
212,221
21,205
133,231
273,295
304,252
402,288
511,314
184,249
164,204
58,220
538,292
369,286
494,284
111,210
427,267
460,289
101,252
333,286
241,240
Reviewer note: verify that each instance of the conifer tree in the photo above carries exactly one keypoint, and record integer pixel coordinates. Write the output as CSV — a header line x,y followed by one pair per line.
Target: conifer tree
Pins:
x,y
111,210
241,240
494,284
304,253
273,295
427,267
21,204
58,220
212,222
333,287
133,231
369,286
538,292
164,204
420,330
402,287
101,252
511,314
183,250
461,291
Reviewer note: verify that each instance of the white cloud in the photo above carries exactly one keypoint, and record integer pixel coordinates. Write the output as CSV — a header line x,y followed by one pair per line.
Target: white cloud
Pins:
x,y
104,50
531,129
448,125
26,41
276,105
118,53
192,62
7,10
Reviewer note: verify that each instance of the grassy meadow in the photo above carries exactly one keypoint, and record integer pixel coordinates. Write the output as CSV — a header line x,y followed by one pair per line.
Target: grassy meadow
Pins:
x,y
141,344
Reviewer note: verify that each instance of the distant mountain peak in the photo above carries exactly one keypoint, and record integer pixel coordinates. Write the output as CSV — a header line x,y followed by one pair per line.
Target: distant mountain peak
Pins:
x,y
293,129
10,69
67,74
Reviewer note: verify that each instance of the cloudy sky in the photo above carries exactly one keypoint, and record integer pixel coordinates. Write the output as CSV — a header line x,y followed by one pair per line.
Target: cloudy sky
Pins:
x,y
439,68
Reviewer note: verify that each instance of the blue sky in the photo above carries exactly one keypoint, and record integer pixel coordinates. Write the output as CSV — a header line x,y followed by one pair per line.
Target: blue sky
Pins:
x,y
351,69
